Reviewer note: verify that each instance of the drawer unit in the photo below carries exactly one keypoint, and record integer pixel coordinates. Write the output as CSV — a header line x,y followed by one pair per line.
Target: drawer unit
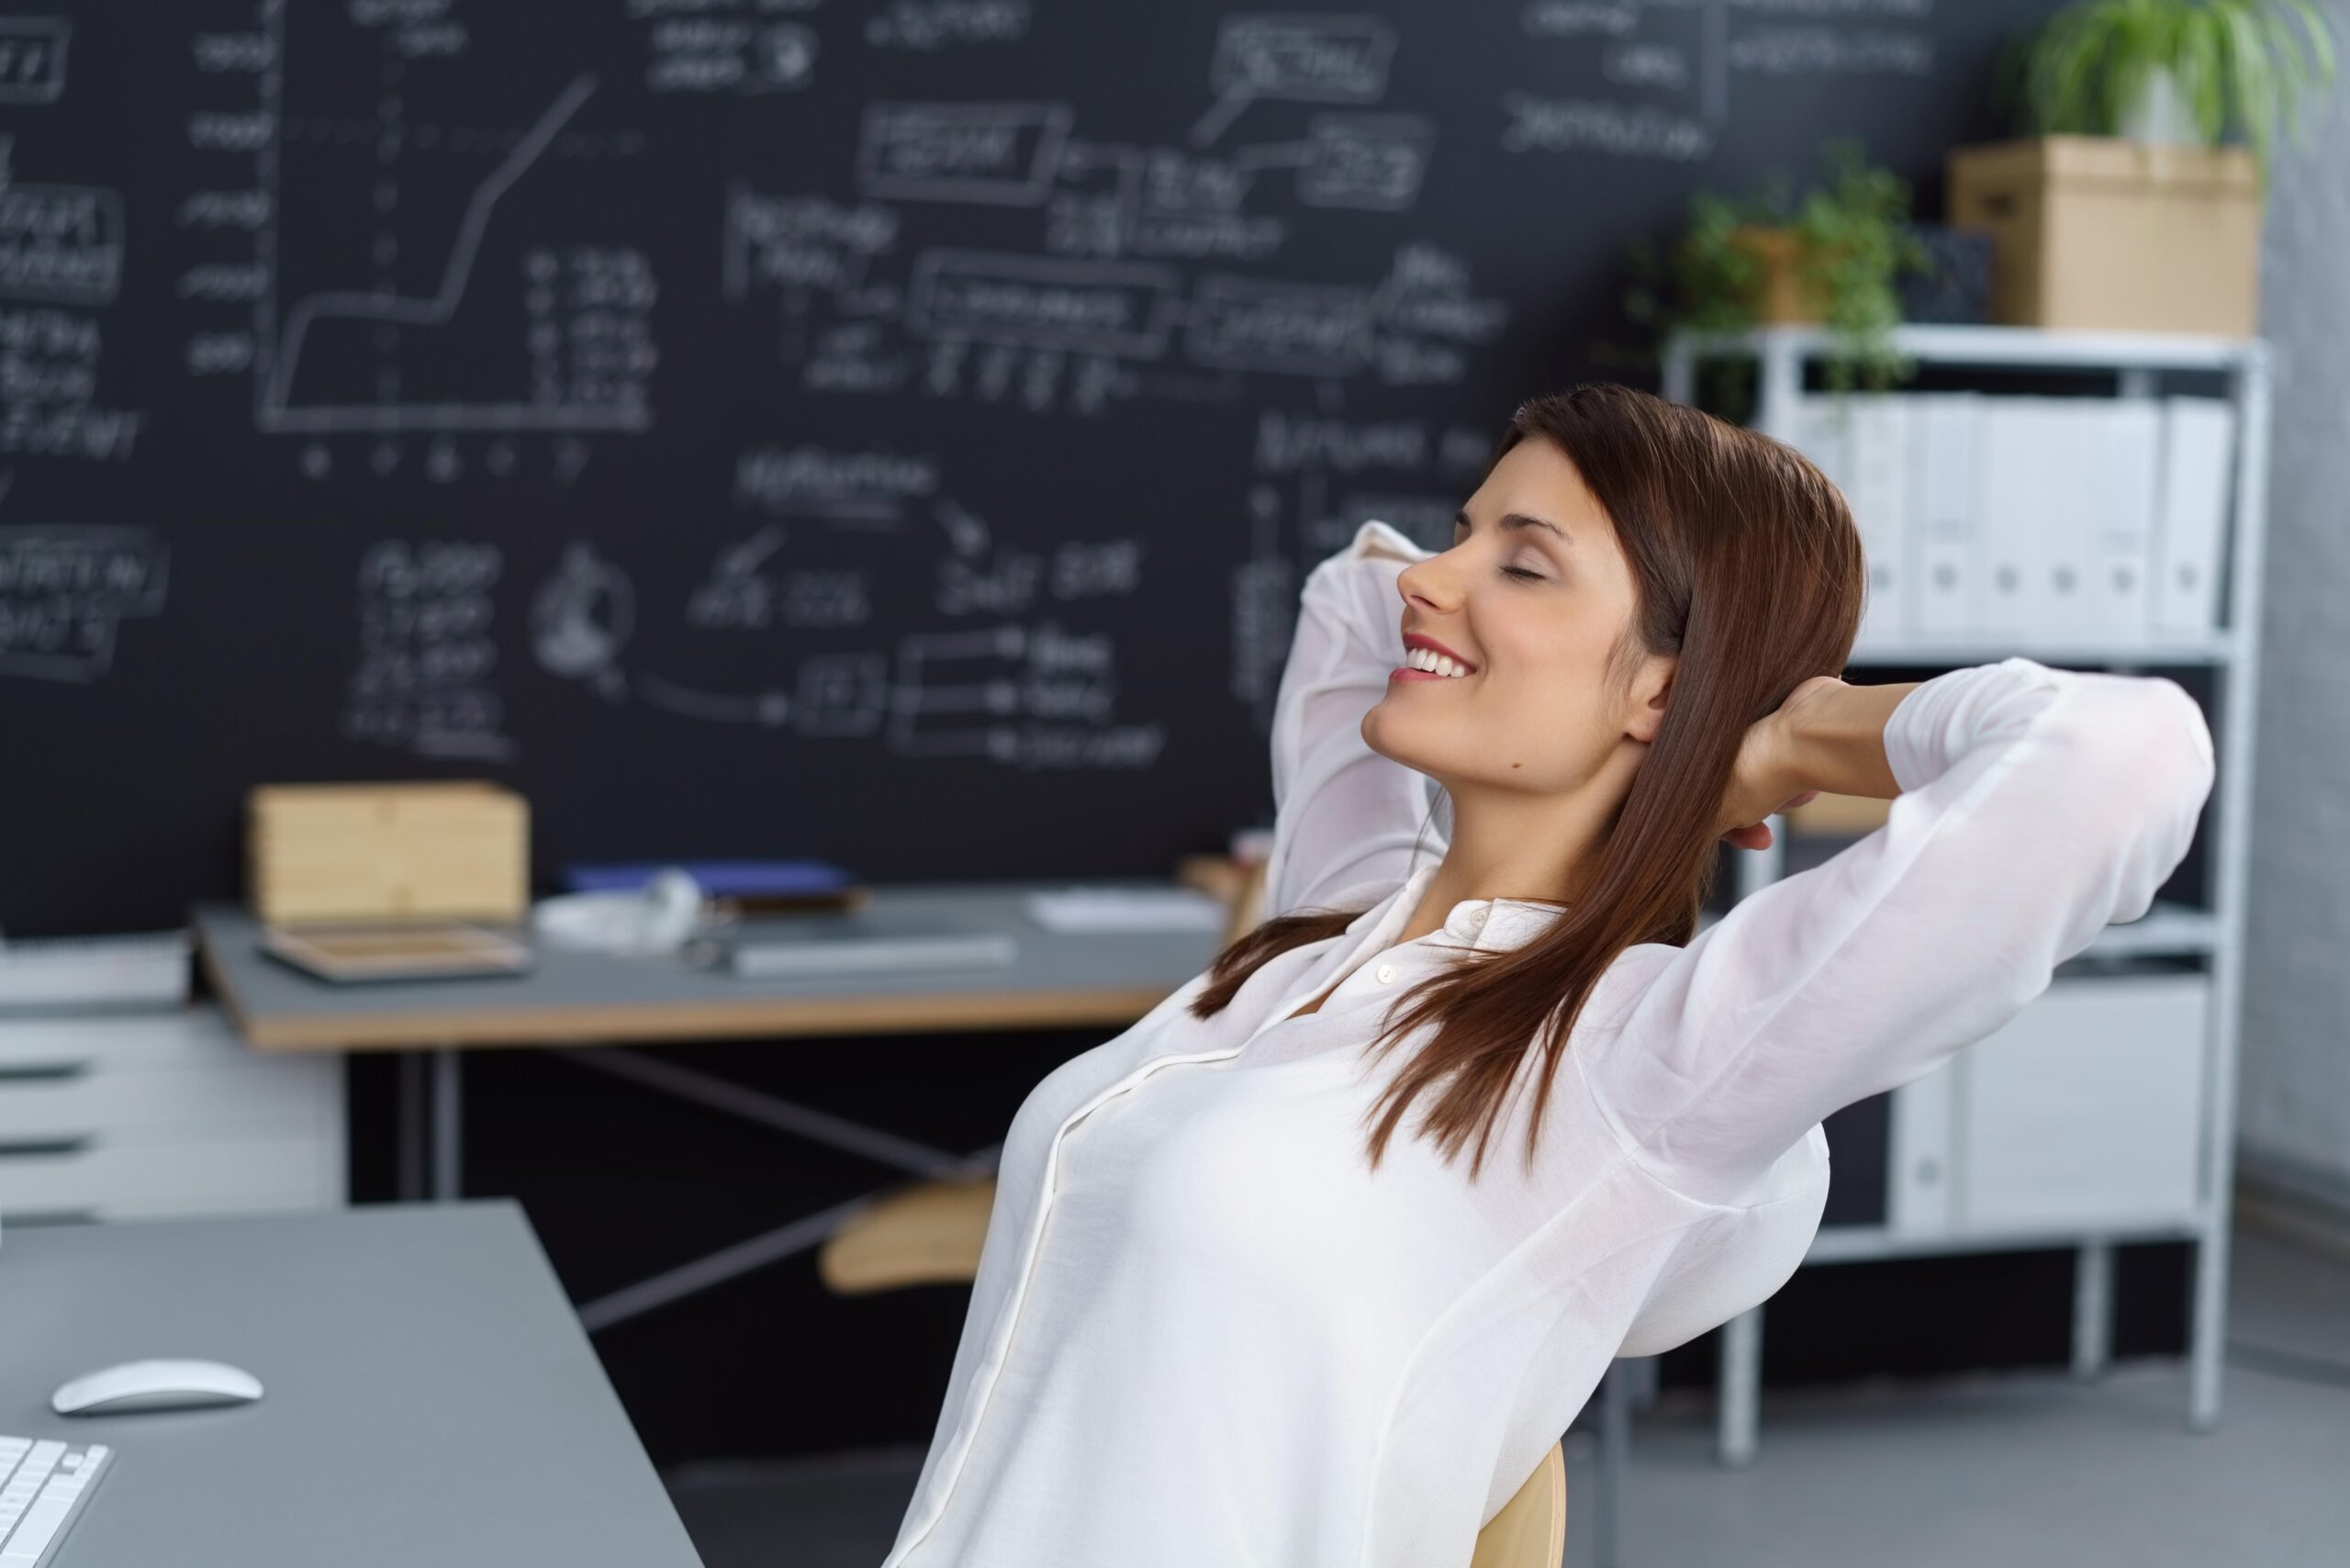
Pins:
x,y
261,1098
158,1114
2082,1113
2086,1109
180,1038
124,1180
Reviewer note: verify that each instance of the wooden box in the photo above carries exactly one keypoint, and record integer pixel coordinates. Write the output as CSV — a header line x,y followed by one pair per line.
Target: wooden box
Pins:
x,y
458,849
2100,233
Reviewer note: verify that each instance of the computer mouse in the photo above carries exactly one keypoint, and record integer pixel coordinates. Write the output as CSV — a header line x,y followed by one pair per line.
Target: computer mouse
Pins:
x,y
155,1386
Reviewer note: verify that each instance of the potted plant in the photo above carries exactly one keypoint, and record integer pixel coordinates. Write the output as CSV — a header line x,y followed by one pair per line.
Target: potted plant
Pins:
x,y
2103,220
2176,71
1831,257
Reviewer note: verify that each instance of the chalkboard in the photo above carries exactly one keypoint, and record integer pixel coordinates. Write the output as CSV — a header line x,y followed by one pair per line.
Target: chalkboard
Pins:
x,y
888,432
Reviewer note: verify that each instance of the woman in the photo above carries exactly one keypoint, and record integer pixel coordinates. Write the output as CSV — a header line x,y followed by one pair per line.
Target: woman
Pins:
x,y
1216,1324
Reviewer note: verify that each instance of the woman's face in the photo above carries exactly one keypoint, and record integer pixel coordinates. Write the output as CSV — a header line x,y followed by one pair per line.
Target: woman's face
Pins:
x,y
1532,595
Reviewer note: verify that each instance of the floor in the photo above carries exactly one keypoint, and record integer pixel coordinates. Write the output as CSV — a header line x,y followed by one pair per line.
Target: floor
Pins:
x,y
2013,1471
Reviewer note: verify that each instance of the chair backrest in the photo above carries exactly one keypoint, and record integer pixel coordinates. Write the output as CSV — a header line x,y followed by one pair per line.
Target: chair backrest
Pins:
x,y
928,1233
1247,906
1531,1529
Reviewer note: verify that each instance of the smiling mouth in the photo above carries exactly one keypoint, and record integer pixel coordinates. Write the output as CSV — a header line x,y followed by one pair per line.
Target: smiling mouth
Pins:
x,y
1426,663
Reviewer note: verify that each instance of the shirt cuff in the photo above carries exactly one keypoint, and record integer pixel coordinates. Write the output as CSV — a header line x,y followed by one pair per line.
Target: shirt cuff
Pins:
x,y
1939,720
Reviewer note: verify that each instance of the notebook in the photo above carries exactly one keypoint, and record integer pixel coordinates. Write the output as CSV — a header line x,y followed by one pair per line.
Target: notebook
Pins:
x,y
821,945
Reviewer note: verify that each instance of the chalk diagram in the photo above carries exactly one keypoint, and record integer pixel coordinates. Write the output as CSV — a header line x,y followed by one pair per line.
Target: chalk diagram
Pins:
x,y
581,620
582,616
426,679
1027,694
1108,307
1657,77
65,590
413,291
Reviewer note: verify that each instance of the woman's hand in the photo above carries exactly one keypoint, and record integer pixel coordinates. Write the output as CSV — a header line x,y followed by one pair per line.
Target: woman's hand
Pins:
x,y
1765,780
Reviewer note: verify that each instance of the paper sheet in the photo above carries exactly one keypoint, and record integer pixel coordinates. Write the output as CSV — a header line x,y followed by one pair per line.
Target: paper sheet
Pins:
x,y
1079,909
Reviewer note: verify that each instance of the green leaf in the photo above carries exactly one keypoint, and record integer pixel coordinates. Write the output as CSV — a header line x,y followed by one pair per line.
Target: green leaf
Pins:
x,y
2250,82
2260,64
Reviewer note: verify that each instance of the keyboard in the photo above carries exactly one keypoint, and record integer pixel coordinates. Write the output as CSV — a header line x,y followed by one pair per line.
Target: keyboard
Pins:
x,y
44,1485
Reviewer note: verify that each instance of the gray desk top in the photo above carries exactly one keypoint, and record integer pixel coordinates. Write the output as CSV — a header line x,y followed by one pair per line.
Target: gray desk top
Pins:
x,y
429,1395
1057,979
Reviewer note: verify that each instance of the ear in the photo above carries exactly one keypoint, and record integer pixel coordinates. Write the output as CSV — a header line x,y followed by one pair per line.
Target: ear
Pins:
x,y
1652,694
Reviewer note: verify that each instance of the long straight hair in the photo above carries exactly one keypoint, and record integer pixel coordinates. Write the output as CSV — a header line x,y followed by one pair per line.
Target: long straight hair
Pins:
x,y
1747,567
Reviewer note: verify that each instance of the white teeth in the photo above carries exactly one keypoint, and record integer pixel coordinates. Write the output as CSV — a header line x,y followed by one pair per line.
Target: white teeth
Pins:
x,y
1434,663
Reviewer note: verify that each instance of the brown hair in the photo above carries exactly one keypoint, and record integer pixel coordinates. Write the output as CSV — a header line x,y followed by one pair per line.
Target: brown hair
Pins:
x,y
1746,565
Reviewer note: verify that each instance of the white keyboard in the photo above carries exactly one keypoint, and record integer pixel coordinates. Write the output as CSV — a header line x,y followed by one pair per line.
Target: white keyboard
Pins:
x,y
43,1488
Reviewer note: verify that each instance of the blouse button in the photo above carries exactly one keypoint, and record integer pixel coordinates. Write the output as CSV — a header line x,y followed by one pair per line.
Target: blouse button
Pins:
x,y
1386,974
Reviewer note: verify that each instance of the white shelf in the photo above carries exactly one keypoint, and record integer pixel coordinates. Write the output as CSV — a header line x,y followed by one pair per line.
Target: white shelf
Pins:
x,y
2169,929
2219,648
1873,1243
2010,347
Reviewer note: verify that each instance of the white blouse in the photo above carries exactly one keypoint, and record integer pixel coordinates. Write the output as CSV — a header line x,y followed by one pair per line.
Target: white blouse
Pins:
x,y
1201,1332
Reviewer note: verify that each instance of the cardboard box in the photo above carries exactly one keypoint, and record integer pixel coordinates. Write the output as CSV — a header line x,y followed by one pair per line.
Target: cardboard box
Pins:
x,y
2100,233
454,850
1839,816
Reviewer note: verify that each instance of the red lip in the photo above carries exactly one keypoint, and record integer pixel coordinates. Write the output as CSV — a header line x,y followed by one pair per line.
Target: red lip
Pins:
x,y
1421,640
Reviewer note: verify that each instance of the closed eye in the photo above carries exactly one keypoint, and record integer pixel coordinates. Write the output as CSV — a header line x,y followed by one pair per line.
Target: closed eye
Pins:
x,y
1522,572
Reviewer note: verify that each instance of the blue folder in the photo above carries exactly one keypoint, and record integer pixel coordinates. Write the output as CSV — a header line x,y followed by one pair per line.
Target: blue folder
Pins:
x,y
719,878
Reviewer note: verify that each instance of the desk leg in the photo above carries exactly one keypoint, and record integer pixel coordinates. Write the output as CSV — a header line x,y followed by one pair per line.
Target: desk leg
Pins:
x,y
448,1126
2092,1308
409,1149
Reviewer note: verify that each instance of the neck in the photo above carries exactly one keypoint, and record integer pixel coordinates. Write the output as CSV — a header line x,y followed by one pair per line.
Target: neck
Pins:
x,y
1512,844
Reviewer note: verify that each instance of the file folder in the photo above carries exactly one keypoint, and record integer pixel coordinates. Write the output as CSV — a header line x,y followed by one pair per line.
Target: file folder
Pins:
x,y
2199,439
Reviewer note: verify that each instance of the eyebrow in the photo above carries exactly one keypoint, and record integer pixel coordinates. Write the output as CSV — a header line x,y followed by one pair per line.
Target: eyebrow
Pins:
x,y
1516,520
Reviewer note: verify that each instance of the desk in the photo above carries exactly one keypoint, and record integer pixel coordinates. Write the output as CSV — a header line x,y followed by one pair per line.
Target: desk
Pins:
x,y
430,1396
572,999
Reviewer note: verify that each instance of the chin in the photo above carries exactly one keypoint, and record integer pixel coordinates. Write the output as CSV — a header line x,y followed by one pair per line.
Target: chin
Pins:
x,y
1381,738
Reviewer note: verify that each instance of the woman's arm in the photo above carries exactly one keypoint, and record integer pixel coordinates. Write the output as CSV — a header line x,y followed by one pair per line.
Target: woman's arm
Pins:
x,y
1343,814
2034,807
1831,738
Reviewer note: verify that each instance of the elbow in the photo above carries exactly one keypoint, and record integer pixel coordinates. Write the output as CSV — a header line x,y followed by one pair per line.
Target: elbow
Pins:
x,y
2155,768
2176,752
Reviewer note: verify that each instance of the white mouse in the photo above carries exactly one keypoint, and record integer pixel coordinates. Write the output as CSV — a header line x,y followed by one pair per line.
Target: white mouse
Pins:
x,y
155,1386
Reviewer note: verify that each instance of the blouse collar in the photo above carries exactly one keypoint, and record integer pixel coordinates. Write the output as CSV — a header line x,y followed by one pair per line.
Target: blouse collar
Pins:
x,y
1489,924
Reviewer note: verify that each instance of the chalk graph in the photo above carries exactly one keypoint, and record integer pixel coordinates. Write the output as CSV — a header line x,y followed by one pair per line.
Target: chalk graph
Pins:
x,y
454,320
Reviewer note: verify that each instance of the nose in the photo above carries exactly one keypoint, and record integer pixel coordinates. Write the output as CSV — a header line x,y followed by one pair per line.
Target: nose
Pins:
x,y
1428,582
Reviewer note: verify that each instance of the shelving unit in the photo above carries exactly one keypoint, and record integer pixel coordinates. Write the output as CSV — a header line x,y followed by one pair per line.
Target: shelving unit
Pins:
x,y
2214,935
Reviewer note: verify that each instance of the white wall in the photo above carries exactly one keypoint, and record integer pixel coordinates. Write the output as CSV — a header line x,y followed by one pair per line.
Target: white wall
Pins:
x,y
2294,1121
